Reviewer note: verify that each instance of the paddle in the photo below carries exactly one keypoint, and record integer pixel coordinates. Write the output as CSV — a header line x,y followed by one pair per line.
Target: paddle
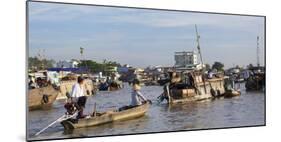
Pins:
x,y
62,118
149,101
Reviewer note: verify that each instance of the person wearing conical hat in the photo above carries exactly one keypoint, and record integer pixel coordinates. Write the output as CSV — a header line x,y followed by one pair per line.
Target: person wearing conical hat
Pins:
x,y
136,96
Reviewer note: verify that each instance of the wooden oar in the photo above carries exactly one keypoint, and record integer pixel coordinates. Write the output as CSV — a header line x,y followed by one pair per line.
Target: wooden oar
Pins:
x,y
95,110
62,118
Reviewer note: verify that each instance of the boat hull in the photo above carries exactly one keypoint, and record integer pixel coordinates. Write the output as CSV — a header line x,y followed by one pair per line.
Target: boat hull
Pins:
x,y
36,98
229,94
108,117
201,92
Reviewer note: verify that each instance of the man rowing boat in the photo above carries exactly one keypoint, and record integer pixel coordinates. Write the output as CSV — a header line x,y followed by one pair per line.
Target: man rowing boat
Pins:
x,y
136,97
78,98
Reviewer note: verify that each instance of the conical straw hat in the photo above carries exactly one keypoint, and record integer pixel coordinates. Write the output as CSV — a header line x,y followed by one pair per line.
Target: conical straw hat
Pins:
x,y
136,87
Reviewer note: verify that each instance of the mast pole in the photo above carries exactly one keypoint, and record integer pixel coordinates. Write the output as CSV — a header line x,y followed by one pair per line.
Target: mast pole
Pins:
x,y
199,51
198,45
258,52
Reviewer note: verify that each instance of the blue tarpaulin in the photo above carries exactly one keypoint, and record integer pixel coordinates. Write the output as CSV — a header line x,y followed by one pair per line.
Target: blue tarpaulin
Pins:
x,y
68,69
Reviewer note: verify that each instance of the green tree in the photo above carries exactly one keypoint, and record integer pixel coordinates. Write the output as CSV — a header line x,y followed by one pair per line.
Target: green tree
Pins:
x,y
218,66
35,64
207,67
250,66
96,67
91,65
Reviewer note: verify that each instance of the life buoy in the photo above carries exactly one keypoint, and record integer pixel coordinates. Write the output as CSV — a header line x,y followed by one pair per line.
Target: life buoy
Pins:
x,y
213,92
218,92
45,99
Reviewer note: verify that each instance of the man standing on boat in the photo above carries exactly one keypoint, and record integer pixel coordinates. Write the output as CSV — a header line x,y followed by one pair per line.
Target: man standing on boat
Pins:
x,y
136,96
78,97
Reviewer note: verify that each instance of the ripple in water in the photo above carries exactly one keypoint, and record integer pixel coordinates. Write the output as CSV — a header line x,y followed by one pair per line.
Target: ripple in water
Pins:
x,y
245,110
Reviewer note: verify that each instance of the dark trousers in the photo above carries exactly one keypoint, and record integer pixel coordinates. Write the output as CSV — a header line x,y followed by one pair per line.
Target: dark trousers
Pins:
x,y
80,105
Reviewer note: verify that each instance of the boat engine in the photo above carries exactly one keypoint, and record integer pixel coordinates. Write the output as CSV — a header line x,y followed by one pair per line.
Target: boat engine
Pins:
x,y
70,108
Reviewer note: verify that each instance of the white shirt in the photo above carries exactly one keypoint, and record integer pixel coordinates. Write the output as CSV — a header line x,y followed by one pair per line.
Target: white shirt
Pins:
x,y
135,98
210,75
77,91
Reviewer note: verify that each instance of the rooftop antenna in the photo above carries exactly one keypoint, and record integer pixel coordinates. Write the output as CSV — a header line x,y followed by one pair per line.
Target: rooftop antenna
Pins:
x,y
258,52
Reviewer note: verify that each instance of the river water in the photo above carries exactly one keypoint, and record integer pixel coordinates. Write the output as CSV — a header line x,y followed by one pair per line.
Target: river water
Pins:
x,y
245,110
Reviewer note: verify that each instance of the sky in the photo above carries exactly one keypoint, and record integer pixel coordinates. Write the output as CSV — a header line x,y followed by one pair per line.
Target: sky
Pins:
x,y
141,37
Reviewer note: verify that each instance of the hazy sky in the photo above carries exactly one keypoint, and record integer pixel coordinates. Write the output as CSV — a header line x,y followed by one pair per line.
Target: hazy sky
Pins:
x,y
141,37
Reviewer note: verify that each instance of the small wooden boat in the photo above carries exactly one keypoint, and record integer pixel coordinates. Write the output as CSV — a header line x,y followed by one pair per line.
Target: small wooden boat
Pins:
x,y
113,86
106,117
41,98
231,93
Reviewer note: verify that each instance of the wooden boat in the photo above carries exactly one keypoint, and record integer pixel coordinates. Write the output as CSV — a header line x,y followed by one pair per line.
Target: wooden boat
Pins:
x,y
256,80
107,117
231,93
111,87
200,91
41,98
255,83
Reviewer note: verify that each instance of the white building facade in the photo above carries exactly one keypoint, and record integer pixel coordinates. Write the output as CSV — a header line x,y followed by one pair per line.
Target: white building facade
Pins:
x,y
186,59
68,64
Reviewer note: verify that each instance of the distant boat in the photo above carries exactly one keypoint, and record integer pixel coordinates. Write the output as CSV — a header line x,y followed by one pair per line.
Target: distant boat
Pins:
x,y
113,86
256,80
231,93
201,90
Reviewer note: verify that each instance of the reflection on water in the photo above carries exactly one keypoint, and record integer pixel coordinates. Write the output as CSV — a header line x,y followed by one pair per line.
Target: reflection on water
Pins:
x,y
245,110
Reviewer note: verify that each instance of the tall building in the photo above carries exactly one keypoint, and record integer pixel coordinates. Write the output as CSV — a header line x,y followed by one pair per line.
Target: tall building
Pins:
x,y
186,59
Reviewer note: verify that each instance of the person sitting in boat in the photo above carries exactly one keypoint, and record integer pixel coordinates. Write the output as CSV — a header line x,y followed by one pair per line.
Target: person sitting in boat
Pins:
x,y
210,74
174,80
136,97
173,84
189,80
78,97
31,83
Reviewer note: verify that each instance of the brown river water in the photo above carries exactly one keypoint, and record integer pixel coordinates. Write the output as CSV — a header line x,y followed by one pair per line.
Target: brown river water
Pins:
x,y
245,110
